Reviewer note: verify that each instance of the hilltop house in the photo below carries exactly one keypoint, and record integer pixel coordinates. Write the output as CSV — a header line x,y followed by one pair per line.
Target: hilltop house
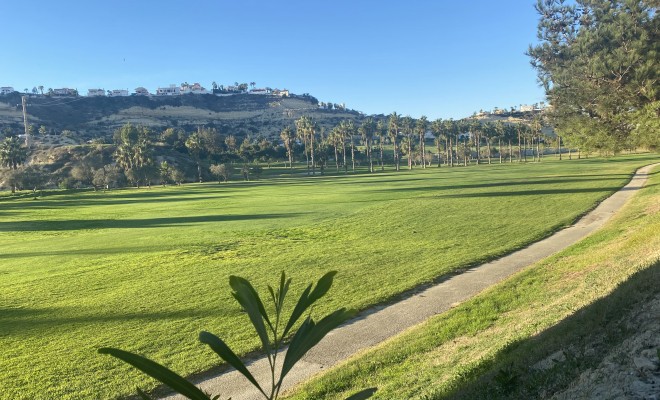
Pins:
x,y
95,92
142,91
172,90
6,90
281,93
118,93
195,88
259,91
64,92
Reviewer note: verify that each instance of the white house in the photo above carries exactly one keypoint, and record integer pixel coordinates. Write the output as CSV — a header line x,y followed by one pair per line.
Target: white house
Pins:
x,y
281,93
259,91
95,92
64,92
526,108
172,90
6,90
195,88
118,93
142,91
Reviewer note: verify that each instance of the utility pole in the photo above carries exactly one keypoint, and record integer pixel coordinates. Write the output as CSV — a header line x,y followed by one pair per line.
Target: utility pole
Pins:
x,y
25,121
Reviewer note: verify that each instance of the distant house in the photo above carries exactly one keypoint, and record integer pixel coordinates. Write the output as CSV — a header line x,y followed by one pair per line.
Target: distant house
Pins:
x,y
259,91
142,91
172,90
6,90
195,88
281,93
95,92
526,108
64,92
118,93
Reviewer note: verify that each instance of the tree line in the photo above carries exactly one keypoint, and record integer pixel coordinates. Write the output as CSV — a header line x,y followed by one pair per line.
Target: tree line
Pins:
x,y
141,156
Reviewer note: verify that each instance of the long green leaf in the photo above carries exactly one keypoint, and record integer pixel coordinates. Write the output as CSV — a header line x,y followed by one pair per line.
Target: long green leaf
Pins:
x,y
237,280
221,348
246,297
322,286
308,298
158,372
298,310
309,335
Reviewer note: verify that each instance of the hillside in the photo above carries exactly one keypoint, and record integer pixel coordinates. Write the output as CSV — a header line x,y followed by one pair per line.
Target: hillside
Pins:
x,y
98,117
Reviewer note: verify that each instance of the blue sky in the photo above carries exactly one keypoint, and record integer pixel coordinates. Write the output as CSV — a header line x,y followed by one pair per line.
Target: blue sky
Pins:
x,y
436,58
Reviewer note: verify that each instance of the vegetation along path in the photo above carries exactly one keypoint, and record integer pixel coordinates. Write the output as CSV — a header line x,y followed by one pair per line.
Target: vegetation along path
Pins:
x,y
378,324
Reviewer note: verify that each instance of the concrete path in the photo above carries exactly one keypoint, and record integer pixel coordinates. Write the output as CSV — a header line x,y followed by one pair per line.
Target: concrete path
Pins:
x,y
380,323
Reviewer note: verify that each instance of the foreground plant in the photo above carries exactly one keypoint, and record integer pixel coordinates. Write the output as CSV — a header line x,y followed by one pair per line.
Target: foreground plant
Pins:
x,y
269,331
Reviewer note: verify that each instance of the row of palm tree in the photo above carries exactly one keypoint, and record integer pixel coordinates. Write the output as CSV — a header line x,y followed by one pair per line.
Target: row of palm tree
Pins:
x,y
460,141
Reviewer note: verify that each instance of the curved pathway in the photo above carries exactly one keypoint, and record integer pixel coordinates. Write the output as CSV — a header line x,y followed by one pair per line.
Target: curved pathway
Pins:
x,y
380,323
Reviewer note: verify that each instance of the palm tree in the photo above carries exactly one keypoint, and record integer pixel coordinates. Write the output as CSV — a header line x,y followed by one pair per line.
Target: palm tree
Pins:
x,y
536,125
407,124
437,127
41,89
305,130
500,131
288,137
380,132
393,133
475,130
334,139
451,131
420,127
367,130
488,130
12,153
350,132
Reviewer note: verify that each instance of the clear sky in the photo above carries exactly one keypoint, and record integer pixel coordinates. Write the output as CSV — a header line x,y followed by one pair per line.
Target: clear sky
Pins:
x,y
438,58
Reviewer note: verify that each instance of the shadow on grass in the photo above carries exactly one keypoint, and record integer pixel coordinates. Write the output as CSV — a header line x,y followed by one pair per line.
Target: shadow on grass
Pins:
x,y
91,200
27,321
69,225
521,182
83,252
584,338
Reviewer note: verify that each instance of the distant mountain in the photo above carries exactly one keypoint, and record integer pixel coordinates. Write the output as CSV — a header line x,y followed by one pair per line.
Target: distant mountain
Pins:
x,y
99,117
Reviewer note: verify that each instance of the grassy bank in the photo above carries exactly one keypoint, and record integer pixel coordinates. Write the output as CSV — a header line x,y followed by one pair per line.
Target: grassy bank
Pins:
x,y
501,343
146,270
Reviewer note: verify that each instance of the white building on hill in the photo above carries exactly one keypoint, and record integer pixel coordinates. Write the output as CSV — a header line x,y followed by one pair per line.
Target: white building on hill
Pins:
x,y
195,88
6,90
95,92
142,91
118,93
64,92
172,90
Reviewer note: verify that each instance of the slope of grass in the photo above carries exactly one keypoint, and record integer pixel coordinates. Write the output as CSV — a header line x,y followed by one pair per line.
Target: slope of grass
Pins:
x,y
493,345
146,270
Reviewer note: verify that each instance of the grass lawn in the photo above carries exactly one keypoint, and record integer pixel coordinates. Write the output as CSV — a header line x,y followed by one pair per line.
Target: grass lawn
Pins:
x,y
491,347
146,270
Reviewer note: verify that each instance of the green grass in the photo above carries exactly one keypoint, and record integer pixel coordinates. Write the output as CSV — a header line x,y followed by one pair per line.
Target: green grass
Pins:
x,y
146,270
486,347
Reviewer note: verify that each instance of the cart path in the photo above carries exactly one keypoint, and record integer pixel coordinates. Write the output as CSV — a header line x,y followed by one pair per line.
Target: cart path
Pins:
x,y
379,323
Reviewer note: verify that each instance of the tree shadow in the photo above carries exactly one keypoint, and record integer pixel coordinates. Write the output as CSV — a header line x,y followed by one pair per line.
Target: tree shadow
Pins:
x,y
27,321
84,201
72,225
82,252
553,181
526,368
